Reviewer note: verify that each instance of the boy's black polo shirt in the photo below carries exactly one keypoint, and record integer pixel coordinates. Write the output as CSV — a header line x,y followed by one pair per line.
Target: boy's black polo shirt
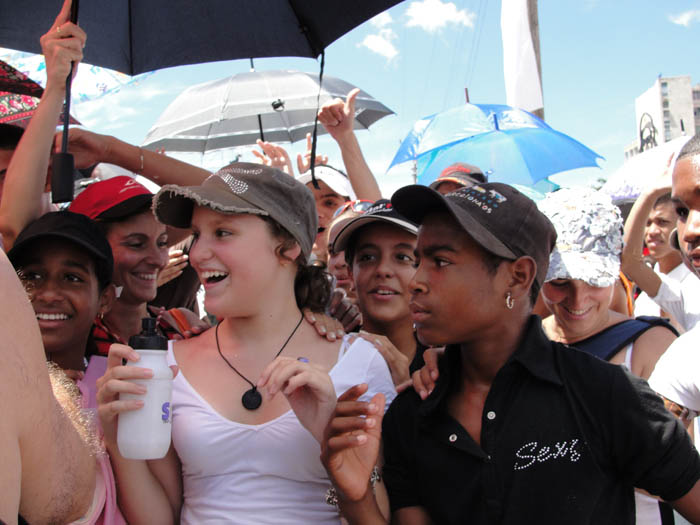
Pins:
x,y
565,437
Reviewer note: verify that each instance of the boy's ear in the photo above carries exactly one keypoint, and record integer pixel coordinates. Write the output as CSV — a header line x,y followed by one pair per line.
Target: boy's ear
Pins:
x,y
523,272
107,299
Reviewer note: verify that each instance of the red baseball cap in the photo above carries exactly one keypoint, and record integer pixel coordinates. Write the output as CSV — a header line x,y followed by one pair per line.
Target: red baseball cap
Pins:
x,y
460,173
113,198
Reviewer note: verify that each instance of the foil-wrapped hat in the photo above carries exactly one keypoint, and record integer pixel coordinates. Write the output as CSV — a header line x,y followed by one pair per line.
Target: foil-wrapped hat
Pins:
x,y
589,236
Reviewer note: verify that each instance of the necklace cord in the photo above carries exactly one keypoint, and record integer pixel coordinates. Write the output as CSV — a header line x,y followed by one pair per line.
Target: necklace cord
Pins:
x,y
218,347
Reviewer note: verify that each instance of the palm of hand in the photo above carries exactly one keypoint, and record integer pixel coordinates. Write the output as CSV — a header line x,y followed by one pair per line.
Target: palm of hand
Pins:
x,y
350,469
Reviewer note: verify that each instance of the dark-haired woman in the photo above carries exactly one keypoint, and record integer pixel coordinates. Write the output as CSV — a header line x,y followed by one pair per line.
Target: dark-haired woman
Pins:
x,y
241,453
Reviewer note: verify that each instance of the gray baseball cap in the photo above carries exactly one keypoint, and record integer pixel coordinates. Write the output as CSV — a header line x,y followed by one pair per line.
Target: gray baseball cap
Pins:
x,y
243,187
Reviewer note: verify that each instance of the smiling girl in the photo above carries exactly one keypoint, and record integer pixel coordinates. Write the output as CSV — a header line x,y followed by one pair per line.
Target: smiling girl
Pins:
x,y
241,453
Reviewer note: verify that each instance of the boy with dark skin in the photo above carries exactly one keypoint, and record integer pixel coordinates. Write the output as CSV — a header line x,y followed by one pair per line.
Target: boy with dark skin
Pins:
x,y
475,450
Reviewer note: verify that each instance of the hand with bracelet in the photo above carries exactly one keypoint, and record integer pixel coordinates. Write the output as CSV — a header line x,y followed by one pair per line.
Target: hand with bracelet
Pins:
x,y
351,443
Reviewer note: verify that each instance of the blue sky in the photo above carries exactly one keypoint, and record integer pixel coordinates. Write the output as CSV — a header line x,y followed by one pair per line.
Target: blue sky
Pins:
x,y
418,57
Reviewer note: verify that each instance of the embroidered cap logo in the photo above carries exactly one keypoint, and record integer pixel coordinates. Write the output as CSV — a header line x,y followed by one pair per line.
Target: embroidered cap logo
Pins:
x,y
487,200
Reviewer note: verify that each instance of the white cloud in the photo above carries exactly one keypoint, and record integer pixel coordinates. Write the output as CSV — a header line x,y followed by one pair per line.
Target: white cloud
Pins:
x,y
433,15
112,112
381,20
381,43
687,18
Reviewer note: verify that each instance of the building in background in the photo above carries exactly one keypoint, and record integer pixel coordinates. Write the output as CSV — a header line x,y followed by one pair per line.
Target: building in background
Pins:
x,y
669,109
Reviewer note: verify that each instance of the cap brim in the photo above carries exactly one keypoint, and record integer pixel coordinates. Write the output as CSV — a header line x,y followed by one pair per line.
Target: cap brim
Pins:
x,y
18,249
335,181
592,268
416,201
127,207
173,205
341,240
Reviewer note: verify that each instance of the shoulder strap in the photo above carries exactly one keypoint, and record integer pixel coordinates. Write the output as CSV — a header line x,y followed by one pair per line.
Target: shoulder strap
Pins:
x,y
610,341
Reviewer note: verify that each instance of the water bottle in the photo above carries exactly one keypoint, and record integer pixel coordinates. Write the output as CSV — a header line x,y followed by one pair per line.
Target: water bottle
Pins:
x,y
145,433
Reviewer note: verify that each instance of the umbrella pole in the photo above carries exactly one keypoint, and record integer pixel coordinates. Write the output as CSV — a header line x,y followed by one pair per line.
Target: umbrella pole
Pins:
x,y
62,163
262,135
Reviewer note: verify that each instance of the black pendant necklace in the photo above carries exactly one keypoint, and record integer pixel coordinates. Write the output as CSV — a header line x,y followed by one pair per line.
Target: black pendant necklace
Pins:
x,y
251,398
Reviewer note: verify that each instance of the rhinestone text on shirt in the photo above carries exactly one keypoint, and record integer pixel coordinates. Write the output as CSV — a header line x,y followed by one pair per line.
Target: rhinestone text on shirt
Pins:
x,y
532,453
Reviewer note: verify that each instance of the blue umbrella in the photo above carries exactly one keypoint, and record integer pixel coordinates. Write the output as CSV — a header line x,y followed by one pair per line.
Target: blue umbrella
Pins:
x,y
509,145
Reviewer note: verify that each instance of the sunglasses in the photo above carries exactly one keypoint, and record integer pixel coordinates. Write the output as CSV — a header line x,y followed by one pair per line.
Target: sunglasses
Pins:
x,y
358,206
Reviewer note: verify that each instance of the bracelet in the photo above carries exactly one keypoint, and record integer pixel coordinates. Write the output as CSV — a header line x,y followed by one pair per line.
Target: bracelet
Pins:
x,y
679,411
332,493
140,170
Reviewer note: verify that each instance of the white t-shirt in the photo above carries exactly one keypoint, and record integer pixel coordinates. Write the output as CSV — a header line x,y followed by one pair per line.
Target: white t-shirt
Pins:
x,y
269,473
676,375
645,305
679,295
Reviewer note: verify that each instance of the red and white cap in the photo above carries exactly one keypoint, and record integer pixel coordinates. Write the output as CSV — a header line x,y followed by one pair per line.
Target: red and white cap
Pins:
x,y
112,198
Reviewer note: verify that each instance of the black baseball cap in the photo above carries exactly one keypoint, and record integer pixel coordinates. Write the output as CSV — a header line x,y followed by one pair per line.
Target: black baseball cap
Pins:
x,y
244,187
381,211
74,227
497,216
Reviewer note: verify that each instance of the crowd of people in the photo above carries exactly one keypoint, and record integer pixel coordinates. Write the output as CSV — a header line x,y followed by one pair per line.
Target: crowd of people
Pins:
x,y
449,354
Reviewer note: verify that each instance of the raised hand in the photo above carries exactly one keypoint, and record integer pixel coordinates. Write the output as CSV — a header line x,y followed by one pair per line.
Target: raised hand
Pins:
x,y
274,156
351,442
61,45
338,116
304,163
307,387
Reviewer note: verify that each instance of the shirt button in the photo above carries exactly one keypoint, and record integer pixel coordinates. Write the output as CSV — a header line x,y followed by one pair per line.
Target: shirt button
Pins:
x,y
491,415
452,438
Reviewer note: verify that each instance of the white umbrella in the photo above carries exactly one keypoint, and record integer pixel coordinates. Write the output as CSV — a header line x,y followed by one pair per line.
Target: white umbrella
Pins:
x,y
639,172
277,106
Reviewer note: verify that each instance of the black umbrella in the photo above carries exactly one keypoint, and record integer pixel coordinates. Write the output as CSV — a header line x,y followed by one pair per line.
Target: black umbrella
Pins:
x,y
138,36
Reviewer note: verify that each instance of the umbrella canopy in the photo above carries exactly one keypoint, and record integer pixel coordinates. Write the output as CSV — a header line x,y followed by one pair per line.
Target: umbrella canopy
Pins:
x,y
234,111
91,82
509,145
135,37
19,96
638,172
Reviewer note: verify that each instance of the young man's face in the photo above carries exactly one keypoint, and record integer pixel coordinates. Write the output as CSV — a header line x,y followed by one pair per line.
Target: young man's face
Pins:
x,y
455,298
60,279
327,202
382,268
686,196
660,223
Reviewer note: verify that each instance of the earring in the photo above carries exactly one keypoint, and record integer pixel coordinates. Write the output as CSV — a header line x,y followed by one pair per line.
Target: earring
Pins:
x,y
509,301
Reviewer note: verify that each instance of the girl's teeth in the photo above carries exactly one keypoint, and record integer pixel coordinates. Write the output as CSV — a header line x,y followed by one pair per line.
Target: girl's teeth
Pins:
x,y
52,317
384,292
147,276
210,274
